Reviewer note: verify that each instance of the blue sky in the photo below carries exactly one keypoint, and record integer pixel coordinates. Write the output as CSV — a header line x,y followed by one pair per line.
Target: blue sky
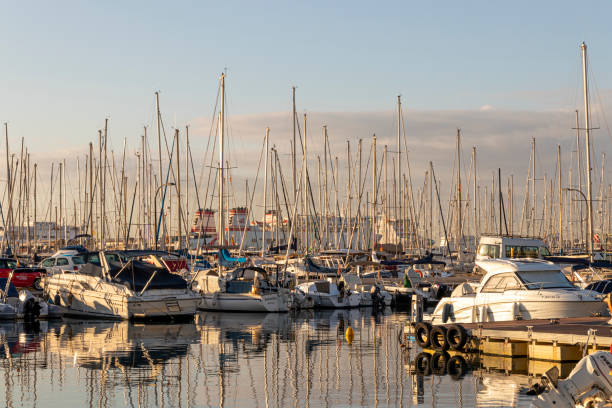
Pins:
x,y
68,65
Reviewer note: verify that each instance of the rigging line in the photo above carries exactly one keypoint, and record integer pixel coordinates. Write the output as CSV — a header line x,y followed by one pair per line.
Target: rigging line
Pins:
x,y
263,146
601,105
210,132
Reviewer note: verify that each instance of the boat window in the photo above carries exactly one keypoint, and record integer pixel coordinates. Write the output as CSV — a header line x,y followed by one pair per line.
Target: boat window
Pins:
x,y
492,251
500,283
521,251
48,262
544,251
11,263
78,260
62,261
544,279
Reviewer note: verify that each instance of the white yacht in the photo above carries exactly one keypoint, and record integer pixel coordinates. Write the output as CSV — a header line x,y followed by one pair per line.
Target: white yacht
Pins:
x,y
244,289
132,290
326,294
517,290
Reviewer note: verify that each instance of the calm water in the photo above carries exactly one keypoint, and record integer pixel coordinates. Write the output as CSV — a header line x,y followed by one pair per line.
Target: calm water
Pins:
x,y
234,360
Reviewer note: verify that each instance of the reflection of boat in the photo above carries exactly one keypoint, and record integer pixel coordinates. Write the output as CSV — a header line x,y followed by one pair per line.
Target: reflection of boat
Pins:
x,y
18,338
517,289
121,344
132,290
241,290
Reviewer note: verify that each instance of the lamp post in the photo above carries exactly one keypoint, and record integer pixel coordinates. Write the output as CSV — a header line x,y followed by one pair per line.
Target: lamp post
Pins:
x,y
157,223
589,237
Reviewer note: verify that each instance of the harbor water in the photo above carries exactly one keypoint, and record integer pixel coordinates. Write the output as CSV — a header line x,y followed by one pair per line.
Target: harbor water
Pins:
x,y
235,360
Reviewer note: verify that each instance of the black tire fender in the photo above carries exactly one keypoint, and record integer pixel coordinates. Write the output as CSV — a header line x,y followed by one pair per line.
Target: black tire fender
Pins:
x,y
456,367
456,337
422,334
422,364
437,337
438,363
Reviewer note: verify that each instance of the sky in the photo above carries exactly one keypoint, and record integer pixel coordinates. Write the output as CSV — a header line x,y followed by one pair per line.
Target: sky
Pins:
x,y
501,71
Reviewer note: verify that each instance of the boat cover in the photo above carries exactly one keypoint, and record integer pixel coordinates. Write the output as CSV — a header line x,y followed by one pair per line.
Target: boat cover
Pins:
x,y
12,291
225,259
137,274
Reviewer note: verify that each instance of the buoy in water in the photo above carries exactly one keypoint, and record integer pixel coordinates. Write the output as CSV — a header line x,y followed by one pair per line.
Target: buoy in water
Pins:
x,y
349,335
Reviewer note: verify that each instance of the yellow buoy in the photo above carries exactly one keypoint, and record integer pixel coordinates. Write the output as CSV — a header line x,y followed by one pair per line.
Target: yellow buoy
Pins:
x,y
349,335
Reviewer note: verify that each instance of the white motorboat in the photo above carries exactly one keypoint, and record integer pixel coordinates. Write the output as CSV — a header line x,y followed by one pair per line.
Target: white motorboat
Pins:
x,y
326,294
23,305
517,290
371,295
244,289
134,290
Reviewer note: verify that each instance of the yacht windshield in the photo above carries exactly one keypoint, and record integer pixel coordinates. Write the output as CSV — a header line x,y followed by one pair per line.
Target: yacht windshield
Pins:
x,y
544,280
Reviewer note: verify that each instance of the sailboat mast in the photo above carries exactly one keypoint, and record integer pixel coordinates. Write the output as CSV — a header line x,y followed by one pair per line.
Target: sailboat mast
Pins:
x,y
560,187
587,129
221,235
374,192
459,226
265,197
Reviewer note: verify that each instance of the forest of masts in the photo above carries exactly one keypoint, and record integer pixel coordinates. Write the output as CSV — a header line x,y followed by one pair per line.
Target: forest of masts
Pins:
x,y
328,200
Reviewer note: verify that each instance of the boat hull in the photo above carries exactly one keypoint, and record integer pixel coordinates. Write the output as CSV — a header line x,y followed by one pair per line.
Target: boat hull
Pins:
x,y
521,310
88,296
239,302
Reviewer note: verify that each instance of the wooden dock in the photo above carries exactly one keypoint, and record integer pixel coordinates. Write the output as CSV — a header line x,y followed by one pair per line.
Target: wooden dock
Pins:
x,y
584,331
533,346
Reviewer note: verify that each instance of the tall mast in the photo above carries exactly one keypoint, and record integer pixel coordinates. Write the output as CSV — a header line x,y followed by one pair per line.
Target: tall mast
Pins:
x,y
476,232
374,192
560,188
221,233
587,129
459,226
325,194
533,189
293,156
399,225
265,205
178,189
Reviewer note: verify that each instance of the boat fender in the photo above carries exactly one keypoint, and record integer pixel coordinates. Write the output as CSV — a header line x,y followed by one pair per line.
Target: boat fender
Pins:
x,y
447,310
438,362
215,297
349,335
483,314
456,337
438,338
422,364
456,367
516,311
422,334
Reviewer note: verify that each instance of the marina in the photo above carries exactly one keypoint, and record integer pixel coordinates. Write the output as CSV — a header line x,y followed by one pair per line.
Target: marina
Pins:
x,y
305,205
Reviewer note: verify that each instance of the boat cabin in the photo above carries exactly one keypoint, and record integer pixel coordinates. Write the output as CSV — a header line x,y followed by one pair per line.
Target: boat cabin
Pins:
x,y
503,275
500,247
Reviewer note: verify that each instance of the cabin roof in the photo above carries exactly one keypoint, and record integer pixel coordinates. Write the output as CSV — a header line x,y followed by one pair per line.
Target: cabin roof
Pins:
x,y
498,239
496,266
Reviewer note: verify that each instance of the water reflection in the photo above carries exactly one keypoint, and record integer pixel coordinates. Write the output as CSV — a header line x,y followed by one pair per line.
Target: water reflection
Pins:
x,y
237,359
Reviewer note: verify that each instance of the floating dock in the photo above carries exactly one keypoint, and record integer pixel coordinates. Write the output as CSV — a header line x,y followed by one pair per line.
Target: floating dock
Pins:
x,y
533,346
